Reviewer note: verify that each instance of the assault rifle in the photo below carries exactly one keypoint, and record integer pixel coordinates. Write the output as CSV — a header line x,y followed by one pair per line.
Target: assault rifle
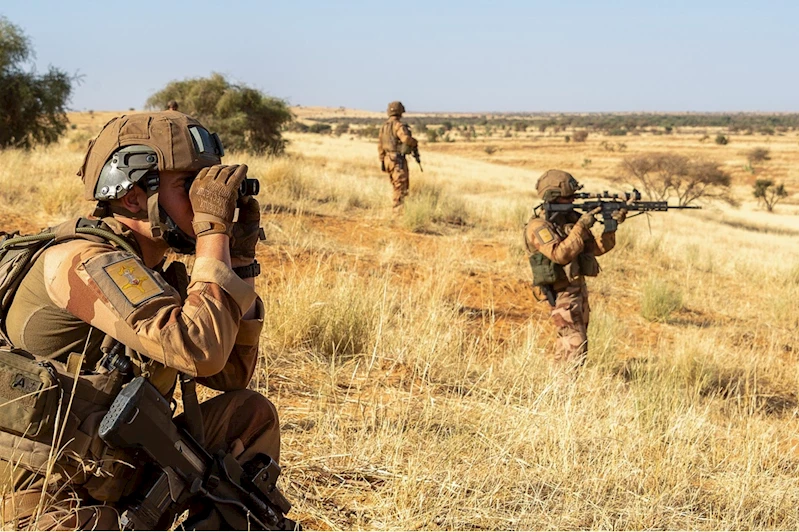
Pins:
x,y
418,158
609,203
140,419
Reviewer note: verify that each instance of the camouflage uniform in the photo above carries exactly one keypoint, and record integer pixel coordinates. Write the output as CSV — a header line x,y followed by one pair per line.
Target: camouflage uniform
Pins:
x,y
77,292
572,248
394,143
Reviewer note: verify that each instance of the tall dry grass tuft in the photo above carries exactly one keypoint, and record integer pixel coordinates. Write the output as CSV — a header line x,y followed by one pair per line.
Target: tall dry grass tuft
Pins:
x,y
659,300
327,313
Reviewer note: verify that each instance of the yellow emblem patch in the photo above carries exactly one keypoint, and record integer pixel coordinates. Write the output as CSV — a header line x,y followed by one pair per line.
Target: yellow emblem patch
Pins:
x,y
545,235
135,282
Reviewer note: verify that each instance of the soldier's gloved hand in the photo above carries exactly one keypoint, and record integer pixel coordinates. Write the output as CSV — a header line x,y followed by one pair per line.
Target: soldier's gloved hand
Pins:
x,y
588,219
213,197
246,231
619,215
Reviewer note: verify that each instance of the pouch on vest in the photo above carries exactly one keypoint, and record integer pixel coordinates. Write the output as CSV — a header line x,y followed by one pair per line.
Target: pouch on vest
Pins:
x,y
589,266
29,395
545,271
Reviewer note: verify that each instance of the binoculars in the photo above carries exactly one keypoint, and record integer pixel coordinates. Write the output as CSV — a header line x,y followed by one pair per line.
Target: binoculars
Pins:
x,y
249,187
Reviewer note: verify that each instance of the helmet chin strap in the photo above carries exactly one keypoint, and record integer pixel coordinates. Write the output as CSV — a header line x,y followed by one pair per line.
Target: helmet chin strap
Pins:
x,y
154,214
162,226
176,238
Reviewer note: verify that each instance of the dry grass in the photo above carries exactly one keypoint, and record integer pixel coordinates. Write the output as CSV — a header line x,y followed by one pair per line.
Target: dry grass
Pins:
x,y
412,371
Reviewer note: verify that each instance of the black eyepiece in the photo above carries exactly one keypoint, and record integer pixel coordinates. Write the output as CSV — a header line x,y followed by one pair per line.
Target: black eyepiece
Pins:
x,y
249,187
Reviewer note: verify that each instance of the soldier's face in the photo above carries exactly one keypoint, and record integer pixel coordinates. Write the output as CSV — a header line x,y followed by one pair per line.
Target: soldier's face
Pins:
x,y
174,198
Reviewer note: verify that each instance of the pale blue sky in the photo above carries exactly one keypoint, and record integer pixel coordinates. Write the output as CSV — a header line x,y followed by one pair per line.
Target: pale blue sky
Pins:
x,y
435,56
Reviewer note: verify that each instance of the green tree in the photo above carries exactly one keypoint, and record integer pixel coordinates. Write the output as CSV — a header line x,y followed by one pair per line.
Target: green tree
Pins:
x,y
768,193
32,106
244,117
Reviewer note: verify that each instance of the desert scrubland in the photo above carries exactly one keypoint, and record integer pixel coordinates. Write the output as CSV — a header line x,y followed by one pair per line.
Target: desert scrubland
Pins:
x,y
411,366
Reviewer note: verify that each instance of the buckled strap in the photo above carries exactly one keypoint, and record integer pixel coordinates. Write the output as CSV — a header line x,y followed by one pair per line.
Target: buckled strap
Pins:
x,y
154,215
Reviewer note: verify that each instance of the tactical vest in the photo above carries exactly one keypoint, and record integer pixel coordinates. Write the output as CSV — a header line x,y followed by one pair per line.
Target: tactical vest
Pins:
x,y
546,272
52,408
387,137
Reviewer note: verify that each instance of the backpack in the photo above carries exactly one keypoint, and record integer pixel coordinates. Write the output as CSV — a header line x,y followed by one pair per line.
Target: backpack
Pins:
x,y
50,409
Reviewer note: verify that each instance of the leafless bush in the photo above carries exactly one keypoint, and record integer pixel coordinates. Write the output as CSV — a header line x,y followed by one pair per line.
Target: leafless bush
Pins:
x,y
768,193
663,174
758,155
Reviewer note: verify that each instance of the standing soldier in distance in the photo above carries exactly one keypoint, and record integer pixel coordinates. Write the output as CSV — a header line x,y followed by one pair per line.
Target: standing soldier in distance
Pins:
x,y
562,252
394,143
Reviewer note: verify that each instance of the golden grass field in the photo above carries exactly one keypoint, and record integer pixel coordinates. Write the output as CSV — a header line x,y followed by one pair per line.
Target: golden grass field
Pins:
x,y
411,366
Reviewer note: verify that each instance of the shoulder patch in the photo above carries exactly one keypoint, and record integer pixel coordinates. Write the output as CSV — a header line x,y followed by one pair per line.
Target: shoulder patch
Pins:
x,y
544,235
133,280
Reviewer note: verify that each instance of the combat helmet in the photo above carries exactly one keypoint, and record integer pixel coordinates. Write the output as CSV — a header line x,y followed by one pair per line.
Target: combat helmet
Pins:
x,y
133,149
555,184
395,109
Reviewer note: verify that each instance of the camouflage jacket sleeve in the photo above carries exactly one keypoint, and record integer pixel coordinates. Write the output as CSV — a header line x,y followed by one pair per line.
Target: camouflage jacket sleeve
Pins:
x,y
114,292
540,235
601,246
243,359
403,133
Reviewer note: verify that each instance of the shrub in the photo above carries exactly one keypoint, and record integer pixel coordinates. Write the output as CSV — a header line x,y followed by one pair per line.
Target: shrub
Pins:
x,y
245,118
490,150
298,127
32,106
758,155
341,129
432,135
769,194
369,132
722,140
659,301
320,128
580,136
663,174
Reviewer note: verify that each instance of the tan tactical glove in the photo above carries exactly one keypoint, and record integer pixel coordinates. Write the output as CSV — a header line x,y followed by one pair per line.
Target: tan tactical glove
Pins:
x,y
619,215
587,220
213,197
247,229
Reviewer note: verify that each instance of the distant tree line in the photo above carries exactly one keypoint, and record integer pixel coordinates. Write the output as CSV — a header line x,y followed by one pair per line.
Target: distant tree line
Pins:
x,y
608,123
